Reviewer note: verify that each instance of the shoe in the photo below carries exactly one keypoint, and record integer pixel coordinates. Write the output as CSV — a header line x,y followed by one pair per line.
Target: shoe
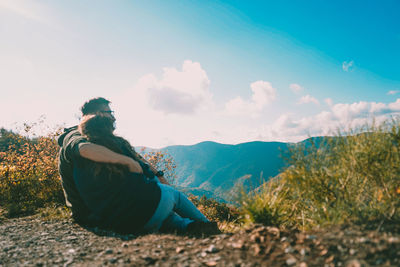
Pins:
x,y
203,228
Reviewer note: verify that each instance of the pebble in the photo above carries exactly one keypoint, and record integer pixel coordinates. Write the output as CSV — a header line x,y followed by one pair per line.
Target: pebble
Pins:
x,y
179,250
238,245
212,249
289,249
353,263
311,237
108,251
256,249
113,260
291,261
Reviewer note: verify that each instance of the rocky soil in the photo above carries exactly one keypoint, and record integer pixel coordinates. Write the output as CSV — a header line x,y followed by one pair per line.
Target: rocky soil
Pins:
x,y
33,241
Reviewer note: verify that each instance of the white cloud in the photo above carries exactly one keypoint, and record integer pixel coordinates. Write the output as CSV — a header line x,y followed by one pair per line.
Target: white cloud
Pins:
x,y
341,116
31,10
296,88
263,94
308,99
393,92
329,101
348,65
174,108
395,106
181,92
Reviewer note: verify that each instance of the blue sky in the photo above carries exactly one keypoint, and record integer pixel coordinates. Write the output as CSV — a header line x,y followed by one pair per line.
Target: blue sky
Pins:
x,y
182,72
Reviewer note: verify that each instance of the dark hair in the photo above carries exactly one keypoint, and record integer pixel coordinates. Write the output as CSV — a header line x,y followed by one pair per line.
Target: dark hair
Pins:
x,y
98,129
93,105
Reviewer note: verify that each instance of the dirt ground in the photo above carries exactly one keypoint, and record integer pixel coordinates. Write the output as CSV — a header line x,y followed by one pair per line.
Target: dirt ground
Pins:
x,y
33,241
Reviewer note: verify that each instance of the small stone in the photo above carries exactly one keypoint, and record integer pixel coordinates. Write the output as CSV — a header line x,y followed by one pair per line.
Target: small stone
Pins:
x,y
68,262
291,261
329,259
362,240
238,245
353,263
113,260
211,263
108,251
149,259
352,251
273,230
303,252
311,237
71,251
323,252
289,249
393,239
256,249
303,264
212,249
179,250
341,249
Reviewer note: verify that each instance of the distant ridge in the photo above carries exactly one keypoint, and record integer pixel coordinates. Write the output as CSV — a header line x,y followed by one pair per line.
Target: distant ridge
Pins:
x,y
216,168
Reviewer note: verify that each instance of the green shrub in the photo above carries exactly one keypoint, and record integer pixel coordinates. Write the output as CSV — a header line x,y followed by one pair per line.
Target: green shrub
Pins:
x,y
344,179
214,210
29,176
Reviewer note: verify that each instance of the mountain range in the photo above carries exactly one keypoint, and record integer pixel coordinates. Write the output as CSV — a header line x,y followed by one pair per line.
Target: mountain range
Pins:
x,y
215,169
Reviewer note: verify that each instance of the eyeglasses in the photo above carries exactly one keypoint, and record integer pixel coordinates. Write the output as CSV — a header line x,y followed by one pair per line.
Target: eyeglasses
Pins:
x,y
111,112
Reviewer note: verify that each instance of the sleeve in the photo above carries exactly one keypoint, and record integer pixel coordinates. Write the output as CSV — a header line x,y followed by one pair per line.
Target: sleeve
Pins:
x,y
146,170
71,145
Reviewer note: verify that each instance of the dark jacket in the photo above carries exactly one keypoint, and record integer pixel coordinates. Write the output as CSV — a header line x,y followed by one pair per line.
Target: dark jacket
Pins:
x,y
123,203
69,153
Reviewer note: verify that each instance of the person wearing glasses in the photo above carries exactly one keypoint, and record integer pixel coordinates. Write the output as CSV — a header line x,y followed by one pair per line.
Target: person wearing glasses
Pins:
x,y
107,184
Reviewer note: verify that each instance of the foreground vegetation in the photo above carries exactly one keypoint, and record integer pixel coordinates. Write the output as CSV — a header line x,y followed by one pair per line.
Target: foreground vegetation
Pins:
x,y
347,179
30,182
352,178
29,177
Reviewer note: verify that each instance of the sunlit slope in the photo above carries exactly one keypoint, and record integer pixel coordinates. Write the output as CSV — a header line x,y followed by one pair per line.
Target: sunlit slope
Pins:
x,y
217,167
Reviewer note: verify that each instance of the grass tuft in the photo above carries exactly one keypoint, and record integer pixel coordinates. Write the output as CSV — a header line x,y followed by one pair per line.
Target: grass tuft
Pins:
x,y
350,178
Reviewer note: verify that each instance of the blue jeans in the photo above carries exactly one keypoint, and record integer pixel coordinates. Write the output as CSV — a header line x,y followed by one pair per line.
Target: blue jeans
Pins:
x,y
174,212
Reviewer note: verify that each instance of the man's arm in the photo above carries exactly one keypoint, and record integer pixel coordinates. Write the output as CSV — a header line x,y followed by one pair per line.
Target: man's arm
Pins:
x,y
154,170
102,154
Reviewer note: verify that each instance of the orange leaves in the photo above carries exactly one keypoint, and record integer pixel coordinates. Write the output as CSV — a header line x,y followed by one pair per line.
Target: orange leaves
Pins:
x,y
29,173
162,162
214,210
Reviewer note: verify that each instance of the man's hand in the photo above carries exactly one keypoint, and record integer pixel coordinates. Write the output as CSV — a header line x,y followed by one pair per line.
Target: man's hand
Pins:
x,y
163,180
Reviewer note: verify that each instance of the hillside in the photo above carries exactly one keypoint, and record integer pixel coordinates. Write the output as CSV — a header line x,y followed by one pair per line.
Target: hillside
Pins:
x,y
214,168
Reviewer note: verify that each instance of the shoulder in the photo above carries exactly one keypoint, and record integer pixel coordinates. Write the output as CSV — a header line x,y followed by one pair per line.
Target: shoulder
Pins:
x,y
73,136
70,141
